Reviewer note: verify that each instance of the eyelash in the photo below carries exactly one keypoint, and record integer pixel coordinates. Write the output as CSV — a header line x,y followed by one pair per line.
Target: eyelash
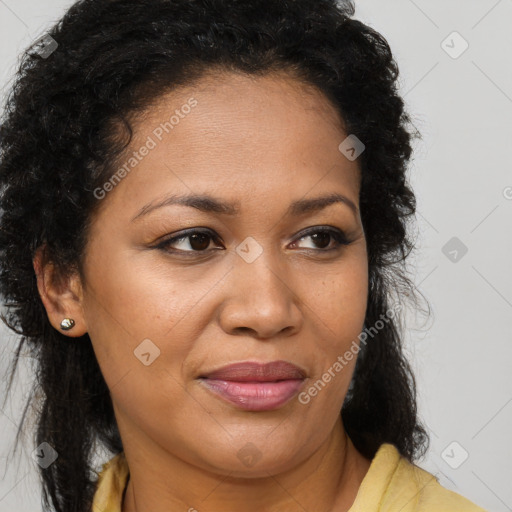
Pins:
x,y
339,237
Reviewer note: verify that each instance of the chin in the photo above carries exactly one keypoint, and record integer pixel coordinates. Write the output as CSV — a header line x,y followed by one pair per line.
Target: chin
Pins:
x,y
249,459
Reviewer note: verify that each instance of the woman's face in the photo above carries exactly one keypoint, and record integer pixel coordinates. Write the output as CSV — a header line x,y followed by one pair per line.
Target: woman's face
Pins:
x,y
256,282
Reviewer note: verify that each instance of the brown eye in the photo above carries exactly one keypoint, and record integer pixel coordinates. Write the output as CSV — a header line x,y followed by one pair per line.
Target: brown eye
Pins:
x,y
199,241
196,241
191,242
321,238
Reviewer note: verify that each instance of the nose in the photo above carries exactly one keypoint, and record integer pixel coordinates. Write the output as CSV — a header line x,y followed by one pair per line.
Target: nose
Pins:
x,y
260,299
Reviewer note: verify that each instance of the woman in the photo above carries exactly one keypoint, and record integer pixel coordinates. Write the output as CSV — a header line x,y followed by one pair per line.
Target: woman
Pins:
x,y
202,240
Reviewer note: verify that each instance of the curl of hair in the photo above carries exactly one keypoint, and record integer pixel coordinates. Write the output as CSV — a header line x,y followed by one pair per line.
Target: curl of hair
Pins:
x,y
69,117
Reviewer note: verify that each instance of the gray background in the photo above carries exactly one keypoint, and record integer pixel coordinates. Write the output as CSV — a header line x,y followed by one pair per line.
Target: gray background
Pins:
x,y
462,104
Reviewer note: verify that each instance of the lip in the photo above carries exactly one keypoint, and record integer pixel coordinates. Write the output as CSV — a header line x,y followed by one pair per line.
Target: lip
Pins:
x,y
249,371
255,386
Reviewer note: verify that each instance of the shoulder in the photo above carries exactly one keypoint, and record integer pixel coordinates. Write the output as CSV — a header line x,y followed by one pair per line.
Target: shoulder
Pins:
x,y
427,494
393,483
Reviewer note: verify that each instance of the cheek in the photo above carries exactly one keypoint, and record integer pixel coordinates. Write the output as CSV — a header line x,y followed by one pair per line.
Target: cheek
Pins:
x,y
340,298
140,344
137,294
339,308
140,309
132,311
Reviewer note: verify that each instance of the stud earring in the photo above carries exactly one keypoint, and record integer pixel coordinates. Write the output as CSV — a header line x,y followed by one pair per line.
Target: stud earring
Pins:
x,y
67,324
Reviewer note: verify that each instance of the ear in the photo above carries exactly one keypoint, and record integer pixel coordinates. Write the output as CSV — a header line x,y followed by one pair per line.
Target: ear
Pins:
x,y
61,295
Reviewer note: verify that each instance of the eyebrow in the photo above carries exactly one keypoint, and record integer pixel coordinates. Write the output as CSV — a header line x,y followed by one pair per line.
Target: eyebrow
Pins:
x,y
209,204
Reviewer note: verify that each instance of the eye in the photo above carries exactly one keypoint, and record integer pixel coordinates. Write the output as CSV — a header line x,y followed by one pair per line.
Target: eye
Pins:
x,y
196,240
322,236
199,241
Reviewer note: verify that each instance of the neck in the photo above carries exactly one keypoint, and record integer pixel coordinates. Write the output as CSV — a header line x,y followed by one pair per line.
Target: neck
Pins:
x,y
327,480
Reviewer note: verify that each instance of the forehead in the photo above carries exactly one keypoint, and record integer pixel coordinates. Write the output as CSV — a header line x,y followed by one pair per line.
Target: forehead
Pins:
x,y
277,95
245,135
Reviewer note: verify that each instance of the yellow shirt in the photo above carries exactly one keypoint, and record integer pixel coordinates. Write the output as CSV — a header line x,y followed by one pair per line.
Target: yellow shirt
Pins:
x,y
392,484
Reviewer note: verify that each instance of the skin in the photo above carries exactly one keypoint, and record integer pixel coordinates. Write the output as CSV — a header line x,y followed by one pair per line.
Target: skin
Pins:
x,y
261,142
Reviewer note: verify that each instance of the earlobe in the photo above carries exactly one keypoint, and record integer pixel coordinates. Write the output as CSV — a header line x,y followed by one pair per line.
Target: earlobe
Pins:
x,y
61,295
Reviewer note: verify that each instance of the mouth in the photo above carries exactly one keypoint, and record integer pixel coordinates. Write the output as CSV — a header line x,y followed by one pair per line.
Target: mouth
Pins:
x,y
255,386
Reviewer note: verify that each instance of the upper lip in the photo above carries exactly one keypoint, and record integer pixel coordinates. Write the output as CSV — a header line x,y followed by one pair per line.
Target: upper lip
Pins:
x,y
257,372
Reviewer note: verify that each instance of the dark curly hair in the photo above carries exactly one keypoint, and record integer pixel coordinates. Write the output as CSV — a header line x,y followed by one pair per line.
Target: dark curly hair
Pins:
x,y
68,118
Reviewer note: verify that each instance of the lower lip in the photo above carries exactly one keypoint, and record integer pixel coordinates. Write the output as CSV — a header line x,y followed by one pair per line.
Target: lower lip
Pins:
x,y
255,396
